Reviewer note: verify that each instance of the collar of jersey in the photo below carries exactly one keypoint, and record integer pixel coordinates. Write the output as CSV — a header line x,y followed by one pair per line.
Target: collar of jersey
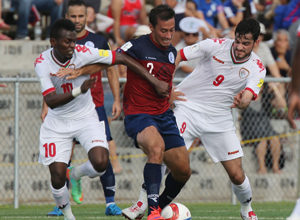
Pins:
x,y
156,44
234,60
66,64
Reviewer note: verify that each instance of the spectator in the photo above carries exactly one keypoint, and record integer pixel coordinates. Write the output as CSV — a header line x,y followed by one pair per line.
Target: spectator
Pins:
x,y
264,52
127,16
190,27
97,22
3,25
213,13
255,124
237,10
281,52
53,7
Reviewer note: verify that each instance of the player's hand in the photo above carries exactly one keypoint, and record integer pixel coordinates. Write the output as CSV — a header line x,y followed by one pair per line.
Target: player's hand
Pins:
x,y
176,95
237,101
116,110
87,84
162,88
294,106
68,72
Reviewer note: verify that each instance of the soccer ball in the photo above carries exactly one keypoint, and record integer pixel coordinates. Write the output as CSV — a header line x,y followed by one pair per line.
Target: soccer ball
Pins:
x,y
176,211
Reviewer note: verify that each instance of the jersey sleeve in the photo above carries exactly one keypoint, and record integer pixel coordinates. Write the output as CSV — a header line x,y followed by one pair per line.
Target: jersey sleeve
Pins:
x,y
44,77
201,49
90,55
256,79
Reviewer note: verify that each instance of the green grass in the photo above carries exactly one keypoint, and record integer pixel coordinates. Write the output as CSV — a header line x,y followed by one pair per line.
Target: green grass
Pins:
x,y
203,211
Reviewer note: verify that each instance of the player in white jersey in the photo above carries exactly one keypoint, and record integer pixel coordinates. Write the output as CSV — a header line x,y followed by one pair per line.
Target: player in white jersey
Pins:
x,y
294,106
229,75
72,112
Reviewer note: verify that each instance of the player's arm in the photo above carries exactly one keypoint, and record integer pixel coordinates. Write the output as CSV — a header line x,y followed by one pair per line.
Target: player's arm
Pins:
x,y
242,99
44,110
161,87
54,100
294,96
114,84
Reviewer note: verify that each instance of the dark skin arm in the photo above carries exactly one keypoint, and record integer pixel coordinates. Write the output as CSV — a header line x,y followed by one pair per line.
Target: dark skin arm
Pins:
x,y
161,87
54,100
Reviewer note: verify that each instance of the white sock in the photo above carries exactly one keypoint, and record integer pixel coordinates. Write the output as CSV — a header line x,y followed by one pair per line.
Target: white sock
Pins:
x,y
85,169
243,193
143,200
61,197
296,210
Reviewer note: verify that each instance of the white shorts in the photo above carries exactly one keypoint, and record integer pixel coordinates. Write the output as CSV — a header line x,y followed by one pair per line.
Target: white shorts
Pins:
x,y
221,146
56,137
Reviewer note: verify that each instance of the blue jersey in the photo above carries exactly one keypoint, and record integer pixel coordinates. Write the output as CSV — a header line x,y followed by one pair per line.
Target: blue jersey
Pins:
x,y
209,9
100,42
139,95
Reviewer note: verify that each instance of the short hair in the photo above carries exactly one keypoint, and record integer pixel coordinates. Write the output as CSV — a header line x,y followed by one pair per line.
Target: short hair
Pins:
x,y
163,12
77,3
247,26
59,25
281,31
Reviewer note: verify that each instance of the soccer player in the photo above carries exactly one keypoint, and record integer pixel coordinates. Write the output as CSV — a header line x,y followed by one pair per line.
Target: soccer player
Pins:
x,y
148,119
229,75
294,107
71,111
77,13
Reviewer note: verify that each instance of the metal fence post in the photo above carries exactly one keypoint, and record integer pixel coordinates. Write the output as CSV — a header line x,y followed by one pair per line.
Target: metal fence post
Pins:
x,y
16,146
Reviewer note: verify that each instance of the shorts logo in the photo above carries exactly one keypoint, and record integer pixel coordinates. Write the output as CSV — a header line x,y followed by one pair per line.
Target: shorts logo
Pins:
x,y
94,141
233,152
183,127
171,57
244,73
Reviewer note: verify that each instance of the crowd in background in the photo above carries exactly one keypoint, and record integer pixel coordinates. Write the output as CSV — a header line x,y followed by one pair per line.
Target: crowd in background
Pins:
x,y
121,20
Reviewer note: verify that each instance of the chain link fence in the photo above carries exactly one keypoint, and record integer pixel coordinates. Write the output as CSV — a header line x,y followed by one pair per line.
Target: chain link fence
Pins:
x,y
25,181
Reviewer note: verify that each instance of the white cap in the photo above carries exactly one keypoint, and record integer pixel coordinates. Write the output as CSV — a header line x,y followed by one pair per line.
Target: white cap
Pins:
x,y
262,28
190,25
142,30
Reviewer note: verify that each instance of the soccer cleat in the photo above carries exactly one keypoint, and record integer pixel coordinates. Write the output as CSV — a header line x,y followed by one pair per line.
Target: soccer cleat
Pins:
x,y
55,212
76,191
249,216
136,211
113,209
155,214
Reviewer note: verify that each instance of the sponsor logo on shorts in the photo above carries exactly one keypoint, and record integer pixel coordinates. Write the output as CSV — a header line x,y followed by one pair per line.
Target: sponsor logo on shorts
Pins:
x,y
93,141
233,152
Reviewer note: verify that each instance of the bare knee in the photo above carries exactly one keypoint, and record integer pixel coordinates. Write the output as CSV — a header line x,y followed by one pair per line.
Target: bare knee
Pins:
x,y
58,176
237,177
99,158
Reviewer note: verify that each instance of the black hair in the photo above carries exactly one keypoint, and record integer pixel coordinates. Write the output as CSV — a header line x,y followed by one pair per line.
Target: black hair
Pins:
x,y
163,12
59,25
77,3
248,26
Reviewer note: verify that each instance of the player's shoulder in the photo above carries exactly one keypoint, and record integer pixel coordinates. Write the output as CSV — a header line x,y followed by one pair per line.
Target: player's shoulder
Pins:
x,y
94,40
256,63
42,59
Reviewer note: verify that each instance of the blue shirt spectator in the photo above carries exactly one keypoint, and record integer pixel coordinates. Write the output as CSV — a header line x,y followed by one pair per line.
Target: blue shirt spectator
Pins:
x,y
210,9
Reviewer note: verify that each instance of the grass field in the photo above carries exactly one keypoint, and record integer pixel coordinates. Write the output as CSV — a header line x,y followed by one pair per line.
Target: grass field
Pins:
x,y
203,211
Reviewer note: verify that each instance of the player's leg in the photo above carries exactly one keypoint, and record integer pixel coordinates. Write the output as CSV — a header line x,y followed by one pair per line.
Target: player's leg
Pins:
x,y
55,153
225,147
108,178
177,160
117,168
152,144
59,189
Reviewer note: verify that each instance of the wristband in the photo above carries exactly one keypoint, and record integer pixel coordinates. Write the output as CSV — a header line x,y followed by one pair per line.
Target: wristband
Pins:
x,y
76,92
242,9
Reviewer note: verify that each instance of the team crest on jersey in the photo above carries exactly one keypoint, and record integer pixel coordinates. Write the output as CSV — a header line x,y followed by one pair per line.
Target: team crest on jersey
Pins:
x,y
89,44
126,46
244,73
72,66
171,57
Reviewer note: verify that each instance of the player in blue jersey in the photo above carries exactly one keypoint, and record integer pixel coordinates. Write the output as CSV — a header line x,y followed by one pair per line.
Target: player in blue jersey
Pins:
x,y
77,12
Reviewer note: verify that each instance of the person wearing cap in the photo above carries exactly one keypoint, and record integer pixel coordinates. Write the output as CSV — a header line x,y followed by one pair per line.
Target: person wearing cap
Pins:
x,y
190,26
